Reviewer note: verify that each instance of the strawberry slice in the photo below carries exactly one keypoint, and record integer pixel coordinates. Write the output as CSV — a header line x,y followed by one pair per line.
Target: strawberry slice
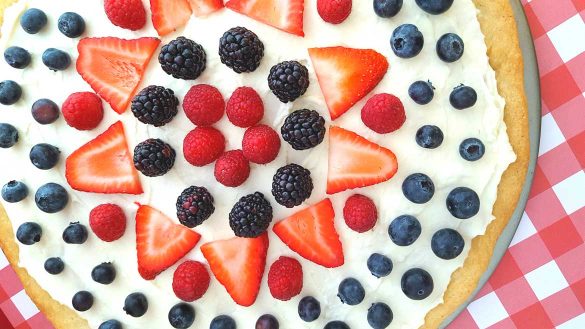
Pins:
x,y
356,162
205,7
169,15
311,233
285,15
114,67
160,242
104,165
238,264
347,75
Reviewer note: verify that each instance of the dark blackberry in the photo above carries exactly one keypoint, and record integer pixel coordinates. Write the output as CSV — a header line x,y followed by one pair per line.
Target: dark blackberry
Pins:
x,y
291,185
183,59
194,206
155,105
288,80
303,129
241,50
153,157
251,216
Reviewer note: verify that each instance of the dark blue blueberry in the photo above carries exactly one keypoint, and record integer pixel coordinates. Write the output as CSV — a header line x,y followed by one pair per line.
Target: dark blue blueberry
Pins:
x,y
463,97
472,149
447,243
463,203
418,188
33,20
71,24
17,57
10,92
51,198
136,304
417,284
222,322
54,265
407,41
351,292
56,60
29,233
82,301
450,47
75,233
379,265
421,92
387,8
14,191
8,135
181,316
45,111
380,316
336,325
104,273
111,324
44,156
309,309
267,321
404,230
429,137
434,7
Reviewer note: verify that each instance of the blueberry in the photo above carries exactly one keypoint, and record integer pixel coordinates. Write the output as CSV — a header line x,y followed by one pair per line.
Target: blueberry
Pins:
x,y
379,265
33,20
387,8
10,92
104,273
14,191
51,198
417,284
82,301
71,24
181,316
136,304
17,57
8,135
421,92
407,41
404,230
56,60
447,243
75,233
429,137
380,316
472,149
450,47
45,111
222,322
463,203
463,97
351,292
434,7
309,309
267,321
44,156
54,265
418,188
29,233
111,324
336,325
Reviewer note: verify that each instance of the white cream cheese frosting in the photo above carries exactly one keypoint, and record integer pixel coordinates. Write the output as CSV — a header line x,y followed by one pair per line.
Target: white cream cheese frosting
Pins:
x,y
363,29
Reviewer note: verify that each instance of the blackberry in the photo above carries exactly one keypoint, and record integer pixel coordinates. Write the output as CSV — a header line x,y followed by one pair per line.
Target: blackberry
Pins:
x,y
241,50
251,216
194,206
288,80
291,185
153,157
183,59
303,129
155,105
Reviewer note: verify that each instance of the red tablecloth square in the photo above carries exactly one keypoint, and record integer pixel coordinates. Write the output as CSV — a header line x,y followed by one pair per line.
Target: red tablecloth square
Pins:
x,y
530,254
572,264
516,295
548,63
562,306
545,209
532,317
579,4
506,272
556,171
558,87
577,67
552,17
540,182
561,237
571,116
577,144
535,27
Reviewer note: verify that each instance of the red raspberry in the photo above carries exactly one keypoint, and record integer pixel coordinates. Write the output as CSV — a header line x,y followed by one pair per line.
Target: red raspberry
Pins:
x,y
108,222
245,107
334,11
203,105
285,278
383,113
203,145
261,144
83,111
190,281
127,14
232,168
360,213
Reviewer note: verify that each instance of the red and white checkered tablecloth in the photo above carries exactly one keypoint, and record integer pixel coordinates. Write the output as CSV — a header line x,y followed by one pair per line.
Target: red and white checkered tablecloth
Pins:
x,y
540,282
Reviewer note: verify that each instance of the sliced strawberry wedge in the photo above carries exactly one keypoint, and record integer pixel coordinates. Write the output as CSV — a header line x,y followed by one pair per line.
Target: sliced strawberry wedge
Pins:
x,y
347,75
311,233
205,7
285,15
238,264
160,242
114,67
169,15
356,162
104,165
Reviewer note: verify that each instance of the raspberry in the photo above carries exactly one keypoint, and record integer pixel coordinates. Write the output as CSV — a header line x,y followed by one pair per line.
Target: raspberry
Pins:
x,y
232,168
245,107
127,14
83,111
334,11
383,113
261,144
360,213
108,222
285,278
190,281
203,145
203,105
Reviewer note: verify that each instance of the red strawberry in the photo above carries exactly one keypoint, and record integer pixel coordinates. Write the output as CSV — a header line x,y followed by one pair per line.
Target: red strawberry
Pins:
x,y
356,162
347,75
238,264
311,233
160,242
108,222
114,67
104,165
169,15
285,278
285,15
190,281
205,7
334,11
127,14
